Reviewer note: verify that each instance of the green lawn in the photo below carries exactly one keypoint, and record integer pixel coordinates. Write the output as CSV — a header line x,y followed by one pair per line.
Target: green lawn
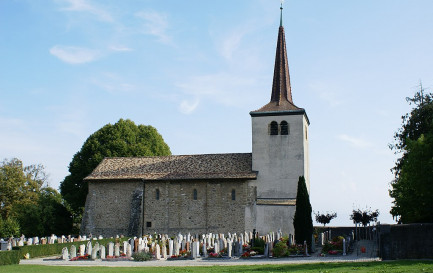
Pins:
x,y
394,266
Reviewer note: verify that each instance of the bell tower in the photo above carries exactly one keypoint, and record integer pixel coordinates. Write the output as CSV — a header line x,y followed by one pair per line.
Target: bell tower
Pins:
x,y
279,150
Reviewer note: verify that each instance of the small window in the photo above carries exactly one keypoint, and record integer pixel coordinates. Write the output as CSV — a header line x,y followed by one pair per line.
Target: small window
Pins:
x,y
148,224
284,128
233,194
157,194
273,128
195,194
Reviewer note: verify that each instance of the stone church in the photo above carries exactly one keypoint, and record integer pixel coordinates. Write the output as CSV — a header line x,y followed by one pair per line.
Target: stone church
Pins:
x,y
216,193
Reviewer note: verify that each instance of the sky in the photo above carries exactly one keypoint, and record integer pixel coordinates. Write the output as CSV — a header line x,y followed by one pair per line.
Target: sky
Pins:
x,y
195,69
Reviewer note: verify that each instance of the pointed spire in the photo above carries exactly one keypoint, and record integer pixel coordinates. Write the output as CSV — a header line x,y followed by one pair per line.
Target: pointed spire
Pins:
x,y
281,89
281,97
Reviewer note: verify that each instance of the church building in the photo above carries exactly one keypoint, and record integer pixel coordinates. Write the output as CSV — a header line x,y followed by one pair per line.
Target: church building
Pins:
x,y
204,193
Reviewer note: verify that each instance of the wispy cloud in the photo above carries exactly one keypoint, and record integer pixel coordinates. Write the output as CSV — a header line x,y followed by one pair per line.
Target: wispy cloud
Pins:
x,y
85,6
224,88
332,98
120,48
355,141
74,55
113,83
188,106
156,24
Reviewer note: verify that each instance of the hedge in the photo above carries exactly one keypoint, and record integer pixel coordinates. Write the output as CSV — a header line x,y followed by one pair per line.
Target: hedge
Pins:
x,y
9,257
50,249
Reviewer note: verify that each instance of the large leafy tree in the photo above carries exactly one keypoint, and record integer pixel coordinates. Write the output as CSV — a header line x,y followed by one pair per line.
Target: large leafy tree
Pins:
x,y
303,222
27,204
121,139
412,188
19,184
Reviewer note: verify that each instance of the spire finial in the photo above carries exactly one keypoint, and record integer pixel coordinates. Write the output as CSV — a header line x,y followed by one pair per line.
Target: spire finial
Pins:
x,y
281,13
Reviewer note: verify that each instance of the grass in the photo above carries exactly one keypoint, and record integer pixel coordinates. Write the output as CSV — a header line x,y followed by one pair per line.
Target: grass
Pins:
x,y
392,266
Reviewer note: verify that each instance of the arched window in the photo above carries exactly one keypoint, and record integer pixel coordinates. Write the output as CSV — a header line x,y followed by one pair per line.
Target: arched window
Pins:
x,y
273,128
284,128
194,194
157,194
233,194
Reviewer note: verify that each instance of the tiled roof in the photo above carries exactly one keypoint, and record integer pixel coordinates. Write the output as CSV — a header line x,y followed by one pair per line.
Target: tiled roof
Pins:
x,y
176,167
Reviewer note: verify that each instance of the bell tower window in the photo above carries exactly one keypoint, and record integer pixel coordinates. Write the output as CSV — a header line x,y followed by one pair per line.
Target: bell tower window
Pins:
x,y
284,128
273,128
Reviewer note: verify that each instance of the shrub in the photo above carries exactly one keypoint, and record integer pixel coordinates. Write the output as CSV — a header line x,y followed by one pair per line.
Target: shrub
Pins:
x,y
142,256
280,250
258,249
9,257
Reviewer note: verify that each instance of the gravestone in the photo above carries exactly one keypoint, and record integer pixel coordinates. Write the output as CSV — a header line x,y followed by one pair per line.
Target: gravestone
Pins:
x,y
73,251
194,251
117,250
30,241
158,253
344,247
94,255
82,249
89,248
204,249
229,248
65,254
111,249
170,248
128,251
102,252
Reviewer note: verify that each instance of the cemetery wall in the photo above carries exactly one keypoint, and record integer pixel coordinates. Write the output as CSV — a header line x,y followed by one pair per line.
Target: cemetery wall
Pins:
x,y
336,231
412,241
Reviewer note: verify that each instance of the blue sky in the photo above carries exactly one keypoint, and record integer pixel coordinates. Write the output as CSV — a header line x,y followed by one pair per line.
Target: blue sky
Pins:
x,y
194,70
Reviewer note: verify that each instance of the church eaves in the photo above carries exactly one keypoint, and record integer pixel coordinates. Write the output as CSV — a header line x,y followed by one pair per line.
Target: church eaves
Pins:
x,y
281,97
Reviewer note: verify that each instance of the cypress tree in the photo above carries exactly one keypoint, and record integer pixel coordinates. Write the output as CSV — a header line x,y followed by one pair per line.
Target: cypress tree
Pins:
x,y
303,222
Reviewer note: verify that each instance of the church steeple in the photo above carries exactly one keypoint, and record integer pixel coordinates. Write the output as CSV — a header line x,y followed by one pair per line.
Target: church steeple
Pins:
x,y
281,97
281,89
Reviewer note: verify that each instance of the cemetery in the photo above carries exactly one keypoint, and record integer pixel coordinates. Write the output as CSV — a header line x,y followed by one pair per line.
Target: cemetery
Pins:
x,y
160,247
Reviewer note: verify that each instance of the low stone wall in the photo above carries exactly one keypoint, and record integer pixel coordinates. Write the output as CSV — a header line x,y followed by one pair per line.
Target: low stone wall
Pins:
x,y
337,231
412,241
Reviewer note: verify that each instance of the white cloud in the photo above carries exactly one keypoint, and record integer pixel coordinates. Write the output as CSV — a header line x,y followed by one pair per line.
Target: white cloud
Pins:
x,y
74,55
354,141
120,48
188,106
112,83
85,6
332,98
230,44
224,88
155,24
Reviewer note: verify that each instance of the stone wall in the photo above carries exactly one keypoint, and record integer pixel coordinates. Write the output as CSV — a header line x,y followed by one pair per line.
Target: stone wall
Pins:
x,y
213,210
113,208
414,241
116,207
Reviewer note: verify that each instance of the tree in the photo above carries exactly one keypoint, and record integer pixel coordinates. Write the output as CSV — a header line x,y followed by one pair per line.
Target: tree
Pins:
x,y
19,184
121,139
48,216
363,217
325,218
412,187
302,222
10,228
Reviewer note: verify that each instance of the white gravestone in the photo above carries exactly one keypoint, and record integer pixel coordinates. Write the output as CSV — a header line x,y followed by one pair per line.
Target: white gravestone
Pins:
x,y
102,252
65,254
73,251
